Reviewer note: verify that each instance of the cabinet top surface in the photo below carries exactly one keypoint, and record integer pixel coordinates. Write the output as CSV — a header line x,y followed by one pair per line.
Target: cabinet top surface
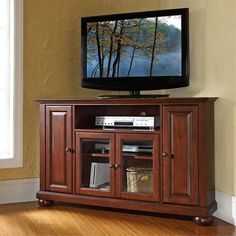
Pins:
x,y
127,101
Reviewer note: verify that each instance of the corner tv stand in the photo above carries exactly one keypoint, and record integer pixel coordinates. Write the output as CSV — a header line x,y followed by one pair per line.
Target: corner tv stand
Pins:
x,y
166,170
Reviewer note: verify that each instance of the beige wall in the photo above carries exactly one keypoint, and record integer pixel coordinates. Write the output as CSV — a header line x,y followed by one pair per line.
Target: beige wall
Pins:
x,y
213,73
52,61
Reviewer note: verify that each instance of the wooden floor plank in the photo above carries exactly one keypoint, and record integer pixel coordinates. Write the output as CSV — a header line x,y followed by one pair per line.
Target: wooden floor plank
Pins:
x,y
30,219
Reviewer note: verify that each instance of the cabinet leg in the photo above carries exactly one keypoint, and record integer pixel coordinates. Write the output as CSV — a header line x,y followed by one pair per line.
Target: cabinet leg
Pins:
x,y
203,221
45,203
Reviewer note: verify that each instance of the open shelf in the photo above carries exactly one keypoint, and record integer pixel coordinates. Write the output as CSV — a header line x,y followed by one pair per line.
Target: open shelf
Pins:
x,y
85,115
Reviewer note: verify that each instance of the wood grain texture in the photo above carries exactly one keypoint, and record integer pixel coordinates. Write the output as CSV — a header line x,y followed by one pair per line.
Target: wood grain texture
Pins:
x,y
30,219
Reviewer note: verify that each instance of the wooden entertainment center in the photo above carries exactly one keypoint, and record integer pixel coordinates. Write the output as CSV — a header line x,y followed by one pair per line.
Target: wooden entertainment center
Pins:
x,y
169,169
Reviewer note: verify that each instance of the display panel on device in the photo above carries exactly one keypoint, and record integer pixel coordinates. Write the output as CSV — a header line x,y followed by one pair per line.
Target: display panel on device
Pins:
x,y
136,51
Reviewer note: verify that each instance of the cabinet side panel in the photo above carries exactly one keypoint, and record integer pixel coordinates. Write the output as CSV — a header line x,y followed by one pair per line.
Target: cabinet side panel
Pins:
x,y
42,148
206,154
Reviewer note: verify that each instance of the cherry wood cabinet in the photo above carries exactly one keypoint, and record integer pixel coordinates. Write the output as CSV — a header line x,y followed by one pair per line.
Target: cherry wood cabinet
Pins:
x,y
174,173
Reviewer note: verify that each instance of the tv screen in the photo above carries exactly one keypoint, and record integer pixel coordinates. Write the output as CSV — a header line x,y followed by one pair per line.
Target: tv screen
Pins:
x,y
136,51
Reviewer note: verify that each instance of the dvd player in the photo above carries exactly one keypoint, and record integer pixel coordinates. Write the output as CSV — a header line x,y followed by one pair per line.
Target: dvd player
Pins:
x,y
149,122
104,147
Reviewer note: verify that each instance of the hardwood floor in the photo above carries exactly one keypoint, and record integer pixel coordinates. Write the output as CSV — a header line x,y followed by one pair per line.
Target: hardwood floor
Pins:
x,y
30,219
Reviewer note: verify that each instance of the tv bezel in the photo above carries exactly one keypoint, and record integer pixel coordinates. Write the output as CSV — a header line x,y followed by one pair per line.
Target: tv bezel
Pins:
x,y
138,83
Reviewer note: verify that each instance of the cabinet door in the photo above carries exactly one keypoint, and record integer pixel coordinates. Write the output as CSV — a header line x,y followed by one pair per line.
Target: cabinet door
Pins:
x,y
137,166
95,160
180,155
59,148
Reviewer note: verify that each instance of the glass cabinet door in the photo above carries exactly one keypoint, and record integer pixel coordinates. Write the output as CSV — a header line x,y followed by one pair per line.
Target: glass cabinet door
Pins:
x,y
94,161
138,166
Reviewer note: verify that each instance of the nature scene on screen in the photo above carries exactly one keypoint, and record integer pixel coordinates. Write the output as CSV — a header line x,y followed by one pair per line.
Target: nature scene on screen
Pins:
x,y
134,47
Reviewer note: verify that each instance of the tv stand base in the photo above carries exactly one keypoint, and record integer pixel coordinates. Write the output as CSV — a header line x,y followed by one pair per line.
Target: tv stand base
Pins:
x,y
45,203
46,199
203,221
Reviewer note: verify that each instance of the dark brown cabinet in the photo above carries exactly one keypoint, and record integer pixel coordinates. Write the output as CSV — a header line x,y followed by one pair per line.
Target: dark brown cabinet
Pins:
x,y
169,169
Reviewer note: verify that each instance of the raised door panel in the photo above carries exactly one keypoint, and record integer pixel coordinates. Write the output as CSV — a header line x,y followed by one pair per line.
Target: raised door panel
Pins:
x,y
180,155
58,148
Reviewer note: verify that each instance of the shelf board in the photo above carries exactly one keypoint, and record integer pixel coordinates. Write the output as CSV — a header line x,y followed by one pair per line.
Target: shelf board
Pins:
x,y
95,189
138,156
135,131
96,155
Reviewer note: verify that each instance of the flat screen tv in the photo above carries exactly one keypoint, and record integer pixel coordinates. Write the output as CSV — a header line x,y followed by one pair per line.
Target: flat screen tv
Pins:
x,y
136,51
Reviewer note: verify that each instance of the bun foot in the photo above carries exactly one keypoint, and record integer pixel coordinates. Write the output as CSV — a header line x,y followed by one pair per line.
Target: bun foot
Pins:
x,y
45,203
203,221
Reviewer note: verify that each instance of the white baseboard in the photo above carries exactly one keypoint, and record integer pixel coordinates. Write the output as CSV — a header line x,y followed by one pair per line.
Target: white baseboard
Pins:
x,y
22,190
226,207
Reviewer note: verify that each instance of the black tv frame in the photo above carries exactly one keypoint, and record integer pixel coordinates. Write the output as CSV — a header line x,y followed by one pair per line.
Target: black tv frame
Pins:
x,y
135,84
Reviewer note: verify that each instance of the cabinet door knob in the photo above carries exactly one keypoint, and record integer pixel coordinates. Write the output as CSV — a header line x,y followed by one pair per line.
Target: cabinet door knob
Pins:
x,y
69,150
117,166
111,166
164,154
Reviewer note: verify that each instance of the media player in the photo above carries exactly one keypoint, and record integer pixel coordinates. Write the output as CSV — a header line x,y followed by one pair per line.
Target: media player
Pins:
x,y
149,122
